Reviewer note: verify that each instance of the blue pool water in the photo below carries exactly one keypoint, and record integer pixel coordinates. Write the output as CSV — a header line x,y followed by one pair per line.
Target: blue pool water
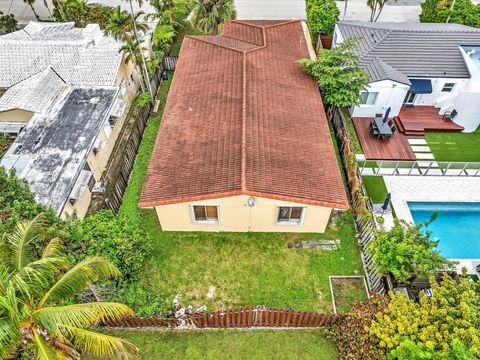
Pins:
x,y
457,227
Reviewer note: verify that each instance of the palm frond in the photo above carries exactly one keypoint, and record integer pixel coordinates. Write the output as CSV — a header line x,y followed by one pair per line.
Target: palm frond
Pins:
x,y
53,249
78,315
21,238
101,345
9,337
78,277
42,350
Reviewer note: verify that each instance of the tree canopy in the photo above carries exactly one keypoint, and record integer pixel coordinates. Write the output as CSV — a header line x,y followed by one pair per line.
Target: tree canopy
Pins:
x,y
461,12
406,250
336,71
8,23
321,17
209,15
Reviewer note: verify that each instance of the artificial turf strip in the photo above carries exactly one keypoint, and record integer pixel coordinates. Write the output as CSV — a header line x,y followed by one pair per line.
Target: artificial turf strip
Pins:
x,y
376,189
453,146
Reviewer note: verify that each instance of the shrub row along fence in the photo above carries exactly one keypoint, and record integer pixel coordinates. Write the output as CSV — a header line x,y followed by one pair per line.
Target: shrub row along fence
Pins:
x,y
361,206
121,168
240,318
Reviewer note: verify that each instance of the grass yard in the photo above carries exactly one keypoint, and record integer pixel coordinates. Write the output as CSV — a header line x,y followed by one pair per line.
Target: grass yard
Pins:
x,y
448,146
235,269
376,188
232,344
4,144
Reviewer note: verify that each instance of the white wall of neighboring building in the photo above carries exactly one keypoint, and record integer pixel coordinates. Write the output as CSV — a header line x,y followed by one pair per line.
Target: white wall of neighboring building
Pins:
x,y
437,97
390,94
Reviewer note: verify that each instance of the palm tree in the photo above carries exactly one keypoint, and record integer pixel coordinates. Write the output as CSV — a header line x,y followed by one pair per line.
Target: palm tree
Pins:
x,y
38,316
30,3
134,52
209,15
121,23
170,12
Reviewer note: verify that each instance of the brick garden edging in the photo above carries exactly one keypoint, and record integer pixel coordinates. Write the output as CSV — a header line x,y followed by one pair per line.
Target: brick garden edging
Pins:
x,y
237,318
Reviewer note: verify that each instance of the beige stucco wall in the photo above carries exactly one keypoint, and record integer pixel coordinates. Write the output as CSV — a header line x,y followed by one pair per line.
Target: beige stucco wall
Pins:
x,y
235,215
15,116
80,206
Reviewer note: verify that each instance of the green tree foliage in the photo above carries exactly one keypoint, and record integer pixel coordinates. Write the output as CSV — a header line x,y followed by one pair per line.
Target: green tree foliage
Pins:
x,y
406,250
351,333
321,17
336,71
82,13
209,15
17,202
463,12
163,37
117,239
8,23
171,12
445,326
39,317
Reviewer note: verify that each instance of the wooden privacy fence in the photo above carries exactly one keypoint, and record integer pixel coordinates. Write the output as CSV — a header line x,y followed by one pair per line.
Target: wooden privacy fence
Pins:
x,y
365,224
170,63
240,318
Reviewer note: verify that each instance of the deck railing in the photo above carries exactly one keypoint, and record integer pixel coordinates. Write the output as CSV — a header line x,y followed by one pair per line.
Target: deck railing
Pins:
x,y
418,168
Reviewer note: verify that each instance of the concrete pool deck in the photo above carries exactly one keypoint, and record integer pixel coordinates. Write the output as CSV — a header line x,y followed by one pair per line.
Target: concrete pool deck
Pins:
x,y
406,189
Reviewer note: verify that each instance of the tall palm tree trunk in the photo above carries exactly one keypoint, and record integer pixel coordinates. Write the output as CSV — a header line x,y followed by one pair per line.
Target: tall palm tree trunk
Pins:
x,y
34,12
145,76
46,5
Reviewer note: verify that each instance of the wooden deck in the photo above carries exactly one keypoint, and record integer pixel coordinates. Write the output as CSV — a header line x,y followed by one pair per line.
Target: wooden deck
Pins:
x,y
414,121
394,148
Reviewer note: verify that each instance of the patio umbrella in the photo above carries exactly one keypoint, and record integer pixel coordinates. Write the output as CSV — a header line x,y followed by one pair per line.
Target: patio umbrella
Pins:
x,y
386,202
385,119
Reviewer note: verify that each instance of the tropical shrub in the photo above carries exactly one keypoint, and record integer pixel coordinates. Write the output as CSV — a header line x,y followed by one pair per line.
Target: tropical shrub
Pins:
x,y
163,37
119,240
8,23
171,12
336,71
445,324
463,12
39,317
143,99
406,250
321,17
351,333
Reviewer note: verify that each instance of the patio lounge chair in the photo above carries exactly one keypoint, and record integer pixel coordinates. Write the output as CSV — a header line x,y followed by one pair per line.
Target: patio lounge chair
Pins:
x,y
449,115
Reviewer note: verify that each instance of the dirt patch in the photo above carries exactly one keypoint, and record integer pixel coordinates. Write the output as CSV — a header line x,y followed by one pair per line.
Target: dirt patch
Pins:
x,y
347,291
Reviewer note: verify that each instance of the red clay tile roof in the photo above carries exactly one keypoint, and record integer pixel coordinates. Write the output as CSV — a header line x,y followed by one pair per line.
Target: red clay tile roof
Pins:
x,y
242,117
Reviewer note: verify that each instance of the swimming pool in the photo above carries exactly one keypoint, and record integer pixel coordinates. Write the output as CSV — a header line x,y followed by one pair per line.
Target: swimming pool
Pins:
x,y
457,226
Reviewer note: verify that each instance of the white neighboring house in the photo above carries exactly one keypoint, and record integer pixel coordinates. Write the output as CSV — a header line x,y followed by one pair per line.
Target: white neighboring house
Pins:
x,y
413,64
64,95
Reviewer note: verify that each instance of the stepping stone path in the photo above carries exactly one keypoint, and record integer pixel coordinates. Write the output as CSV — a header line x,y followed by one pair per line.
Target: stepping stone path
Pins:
x,y
315,244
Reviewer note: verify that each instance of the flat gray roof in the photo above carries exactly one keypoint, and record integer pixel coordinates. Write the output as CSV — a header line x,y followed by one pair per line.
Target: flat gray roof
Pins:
x,y
396,51
52,149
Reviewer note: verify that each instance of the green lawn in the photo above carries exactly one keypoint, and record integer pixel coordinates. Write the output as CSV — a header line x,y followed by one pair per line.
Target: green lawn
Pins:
x,y
448,146
347,292
376,189
243,268
4,144
232,344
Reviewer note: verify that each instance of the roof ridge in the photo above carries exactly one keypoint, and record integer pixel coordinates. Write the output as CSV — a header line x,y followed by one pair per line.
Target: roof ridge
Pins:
x,y
244,121
202,39
377,43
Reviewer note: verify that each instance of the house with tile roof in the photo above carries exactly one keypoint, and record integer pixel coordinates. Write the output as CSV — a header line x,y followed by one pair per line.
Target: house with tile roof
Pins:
x,y
244,143
64,95
418,65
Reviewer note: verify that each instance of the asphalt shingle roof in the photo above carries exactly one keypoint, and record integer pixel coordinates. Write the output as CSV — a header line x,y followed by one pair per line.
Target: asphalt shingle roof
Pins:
x,y
242,117
410,49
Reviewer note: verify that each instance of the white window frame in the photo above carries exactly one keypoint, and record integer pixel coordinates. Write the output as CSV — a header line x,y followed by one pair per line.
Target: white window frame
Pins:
x,y
450,86
369,93
294,222
208,222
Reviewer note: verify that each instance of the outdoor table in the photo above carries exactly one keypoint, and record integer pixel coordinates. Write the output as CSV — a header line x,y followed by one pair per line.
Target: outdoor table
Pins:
x,y
383,129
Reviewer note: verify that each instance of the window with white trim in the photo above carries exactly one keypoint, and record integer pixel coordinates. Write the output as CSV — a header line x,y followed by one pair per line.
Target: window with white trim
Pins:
x,y
448,87
368,98
290,214
205,214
